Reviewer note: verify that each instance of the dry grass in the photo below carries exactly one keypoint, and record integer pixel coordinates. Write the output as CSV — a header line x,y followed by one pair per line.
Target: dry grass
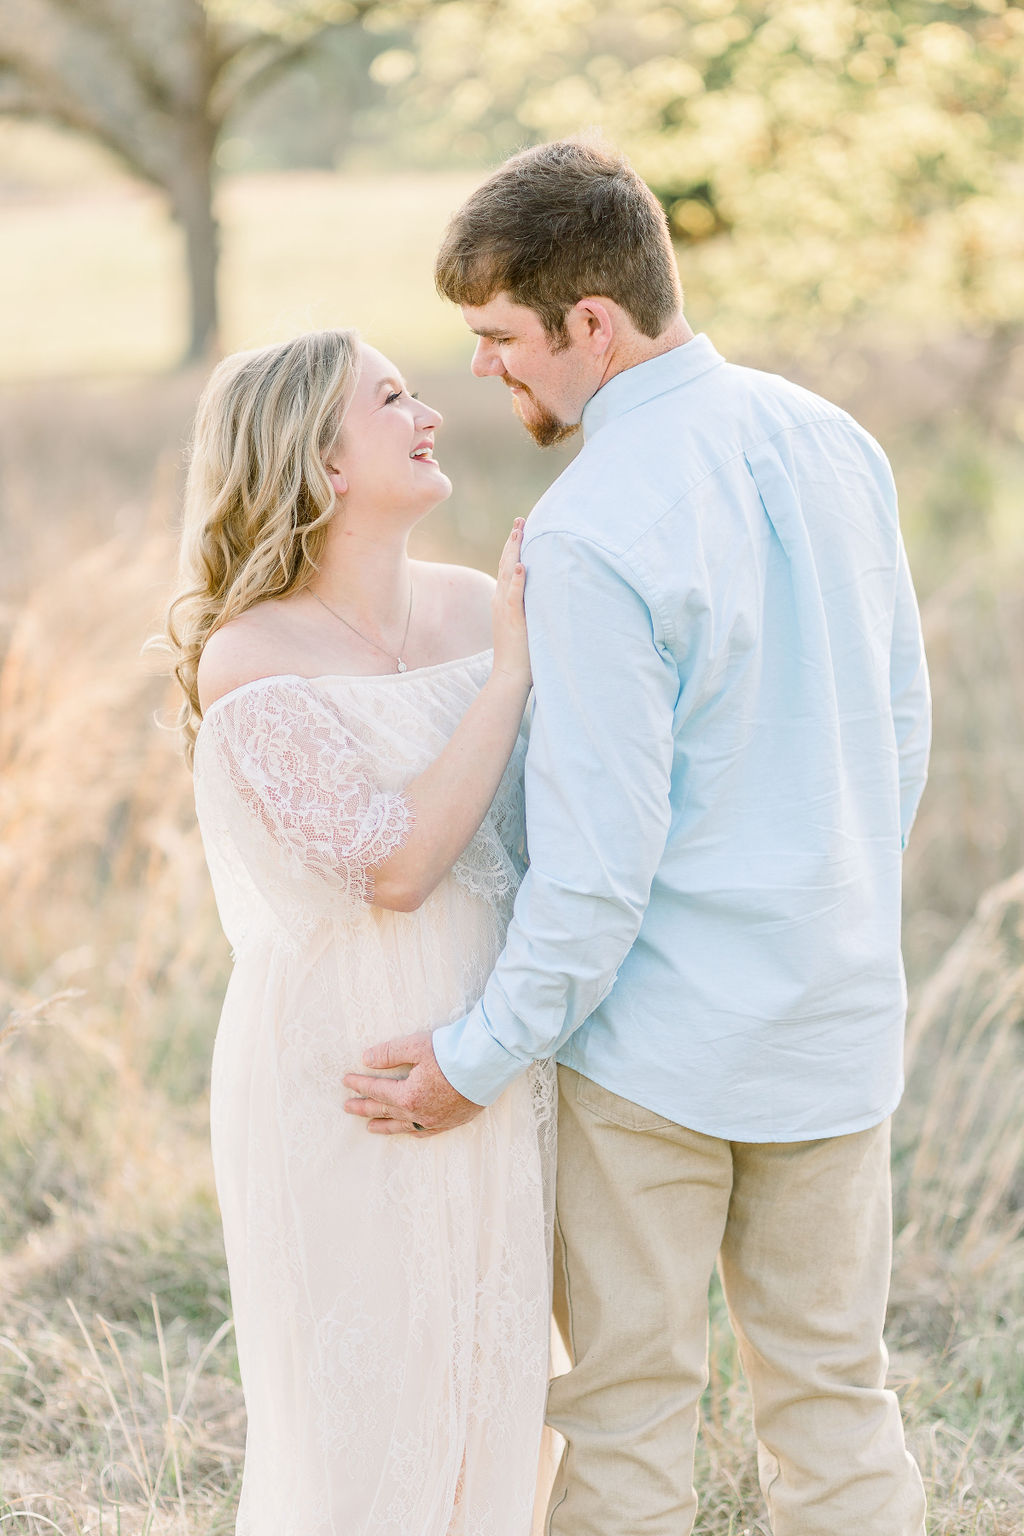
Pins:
x,y
121,1411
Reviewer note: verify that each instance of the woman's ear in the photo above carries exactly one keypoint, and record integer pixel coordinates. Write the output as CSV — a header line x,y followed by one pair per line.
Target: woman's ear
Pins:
x,y
336,475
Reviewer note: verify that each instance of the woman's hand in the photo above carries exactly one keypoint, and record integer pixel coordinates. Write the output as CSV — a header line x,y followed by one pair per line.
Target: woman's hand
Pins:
x,y
451,797
511,650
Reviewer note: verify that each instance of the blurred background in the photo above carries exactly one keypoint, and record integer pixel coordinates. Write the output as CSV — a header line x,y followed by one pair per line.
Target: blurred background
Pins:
x,y
845,182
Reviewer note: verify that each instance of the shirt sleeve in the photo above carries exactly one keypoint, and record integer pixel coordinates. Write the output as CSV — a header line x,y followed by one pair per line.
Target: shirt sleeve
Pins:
x,y
598,777
911,697
301,776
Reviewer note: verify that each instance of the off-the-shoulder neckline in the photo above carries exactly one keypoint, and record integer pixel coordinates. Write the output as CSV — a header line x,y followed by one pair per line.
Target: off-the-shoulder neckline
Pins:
x,y
342,677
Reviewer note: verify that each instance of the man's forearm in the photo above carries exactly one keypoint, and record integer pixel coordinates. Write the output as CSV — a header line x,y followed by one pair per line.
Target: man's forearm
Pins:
x,y
598,779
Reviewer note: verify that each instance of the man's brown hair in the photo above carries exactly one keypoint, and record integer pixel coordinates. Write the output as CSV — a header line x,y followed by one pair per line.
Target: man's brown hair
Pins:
x,y
557,224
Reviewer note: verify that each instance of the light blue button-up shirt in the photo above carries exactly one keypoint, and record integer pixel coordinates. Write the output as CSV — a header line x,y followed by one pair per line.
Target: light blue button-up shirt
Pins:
x,y
729,742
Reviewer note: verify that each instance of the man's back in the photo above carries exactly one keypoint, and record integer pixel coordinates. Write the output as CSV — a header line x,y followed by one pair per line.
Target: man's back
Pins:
x,y
757,524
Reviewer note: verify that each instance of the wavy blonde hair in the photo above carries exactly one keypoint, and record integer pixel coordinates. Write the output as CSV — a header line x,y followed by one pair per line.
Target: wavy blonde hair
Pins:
x,y
257,500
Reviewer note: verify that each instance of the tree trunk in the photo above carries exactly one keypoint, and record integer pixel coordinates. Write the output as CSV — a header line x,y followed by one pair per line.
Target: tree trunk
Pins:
x,y
192,202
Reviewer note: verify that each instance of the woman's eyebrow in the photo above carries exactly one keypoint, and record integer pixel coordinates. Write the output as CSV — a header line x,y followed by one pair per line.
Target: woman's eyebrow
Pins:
x,y
389,379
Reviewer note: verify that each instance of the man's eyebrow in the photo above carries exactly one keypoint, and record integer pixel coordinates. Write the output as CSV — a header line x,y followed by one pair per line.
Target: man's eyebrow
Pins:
x,y
492,331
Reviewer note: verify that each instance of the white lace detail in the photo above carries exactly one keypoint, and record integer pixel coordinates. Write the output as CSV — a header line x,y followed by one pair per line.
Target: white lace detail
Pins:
x,y
285,752
493,864
391,1296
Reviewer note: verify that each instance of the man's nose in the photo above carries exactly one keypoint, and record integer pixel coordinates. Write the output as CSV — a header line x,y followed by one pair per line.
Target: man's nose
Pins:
x,y
485,359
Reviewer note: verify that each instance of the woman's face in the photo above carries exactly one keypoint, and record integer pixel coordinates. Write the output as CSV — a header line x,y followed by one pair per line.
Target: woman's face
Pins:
x,y
384,455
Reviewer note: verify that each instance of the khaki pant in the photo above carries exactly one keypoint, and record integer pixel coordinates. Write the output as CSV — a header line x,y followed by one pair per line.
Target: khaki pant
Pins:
x,y
802,1234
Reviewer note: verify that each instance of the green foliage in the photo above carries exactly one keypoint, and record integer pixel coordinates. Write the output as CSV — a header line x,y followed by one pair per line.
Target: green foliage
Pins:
x,y
832,154
823,164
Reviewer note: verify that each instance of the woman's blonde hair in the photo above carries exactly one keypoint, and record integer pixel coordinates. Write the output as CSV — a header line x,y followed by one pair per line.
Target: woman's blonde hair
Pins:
x,y
257,500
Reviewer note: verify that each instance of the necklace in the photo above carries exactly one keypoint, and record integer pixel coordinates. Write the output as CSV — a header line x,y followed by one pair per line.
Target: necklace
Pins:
x,y
400,665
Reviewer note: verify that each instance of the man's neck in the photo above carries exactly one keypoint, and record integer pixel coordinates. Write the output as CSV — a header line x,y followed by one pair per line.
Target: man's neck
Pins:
x,y
635,348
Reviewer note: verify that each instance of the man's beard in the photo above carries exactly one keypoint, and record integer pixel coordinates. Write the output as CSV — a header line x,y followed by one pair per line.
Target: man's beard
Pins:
x,y
543,425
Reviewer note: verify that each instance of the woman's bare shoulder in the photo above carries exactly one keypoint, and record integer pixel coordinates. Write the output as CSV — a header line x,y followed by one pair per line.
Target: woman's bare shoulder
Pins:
x,y
463,578
462,596
241,651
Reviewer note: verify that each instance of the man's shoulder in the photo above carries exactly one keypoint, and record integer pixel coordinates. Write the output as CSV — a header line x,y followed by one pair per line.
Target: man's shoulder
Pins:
x,y
772,408
606,495
767,405
655,457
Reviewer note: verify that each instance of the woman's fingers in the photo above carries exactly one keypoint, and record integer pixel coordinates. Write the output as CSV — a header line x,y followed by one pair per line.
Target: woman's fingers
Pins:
x,y
510,554
512,573
511,654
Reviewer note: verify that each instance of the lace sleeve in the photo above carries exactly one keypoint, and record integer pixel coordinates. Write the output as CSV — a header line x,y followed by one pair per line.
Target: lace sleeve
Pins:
x,y
305,779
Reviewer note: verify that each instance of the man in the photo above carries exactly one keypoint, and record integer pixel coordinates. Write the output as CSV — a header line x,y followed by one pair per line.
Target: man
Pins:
x,y
728,747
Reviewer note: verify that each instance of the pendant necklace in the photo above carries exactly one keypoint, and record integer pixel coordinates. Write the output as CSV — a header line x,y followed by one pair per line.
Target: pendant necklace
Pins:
x,y
400,665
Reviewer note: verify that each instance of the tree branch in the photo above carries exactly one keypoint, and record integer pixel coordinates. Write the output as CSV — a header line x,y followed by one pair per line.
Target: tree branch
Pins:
x,y
30,99
278,54
162,89
86,84
238,79
17,99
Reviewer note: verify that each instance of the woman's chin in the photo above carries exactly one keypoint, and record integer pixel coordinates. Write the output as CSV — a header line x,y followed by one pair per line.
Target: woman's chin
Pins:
x,y
434,488
440,489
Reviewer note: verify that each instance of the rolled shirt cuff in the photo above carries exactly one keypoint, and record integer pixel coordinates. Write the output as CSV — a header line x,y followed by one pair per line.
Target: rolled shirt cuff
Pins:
x,y
475,1064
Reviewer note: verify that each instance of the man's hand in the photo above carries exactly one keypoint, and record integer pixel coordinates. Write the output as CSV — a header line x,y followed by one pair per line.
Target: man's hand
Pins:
x,y
421,1104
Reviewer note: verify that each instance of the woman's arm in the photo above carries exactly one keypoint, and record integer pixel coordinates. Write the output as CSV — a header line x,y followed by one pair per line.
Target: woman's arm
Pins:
x,y
599,779
450,799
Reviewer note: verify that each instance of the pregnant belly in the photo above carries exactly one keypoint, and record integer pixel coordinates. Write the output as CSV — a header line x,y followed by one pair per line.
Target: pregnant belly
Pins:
x,y
295,1021
351,986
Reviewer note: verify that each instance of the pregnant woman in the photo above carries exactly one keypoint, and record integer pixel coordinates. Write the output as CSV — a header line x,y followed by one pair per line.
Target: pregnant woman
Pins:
x,y
354,718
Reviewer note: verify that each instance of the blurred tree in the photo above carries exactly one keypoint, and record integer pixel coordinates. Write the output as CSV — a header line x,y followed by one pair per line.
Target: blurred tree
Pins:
x,y
818,158
310,116
155,81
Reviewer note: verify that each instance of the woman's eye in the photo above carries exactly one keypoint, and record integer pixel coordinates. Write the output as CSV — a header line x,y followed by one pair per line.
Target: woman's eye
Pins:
x,y
396,394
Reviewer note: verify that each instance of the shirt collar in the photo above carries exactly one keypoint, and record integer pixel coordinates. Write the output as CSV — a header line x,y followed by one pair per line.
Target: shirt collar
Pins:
x,y
635,386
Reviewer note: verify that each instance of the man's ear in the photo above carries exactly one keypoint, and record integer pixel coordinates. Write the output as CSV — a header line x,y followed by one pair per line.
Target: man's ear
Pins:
x,y
591,325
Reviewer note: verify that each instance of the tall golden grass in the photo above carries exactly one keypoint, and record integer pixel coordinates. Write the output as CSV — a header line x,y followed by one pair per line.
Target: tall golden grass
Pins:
x,y
120,1409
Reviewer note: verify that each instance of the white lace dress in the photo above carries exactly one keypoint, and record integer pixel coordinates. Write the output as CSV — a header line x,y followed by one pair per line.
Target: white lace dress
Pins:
x,y
391,1294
